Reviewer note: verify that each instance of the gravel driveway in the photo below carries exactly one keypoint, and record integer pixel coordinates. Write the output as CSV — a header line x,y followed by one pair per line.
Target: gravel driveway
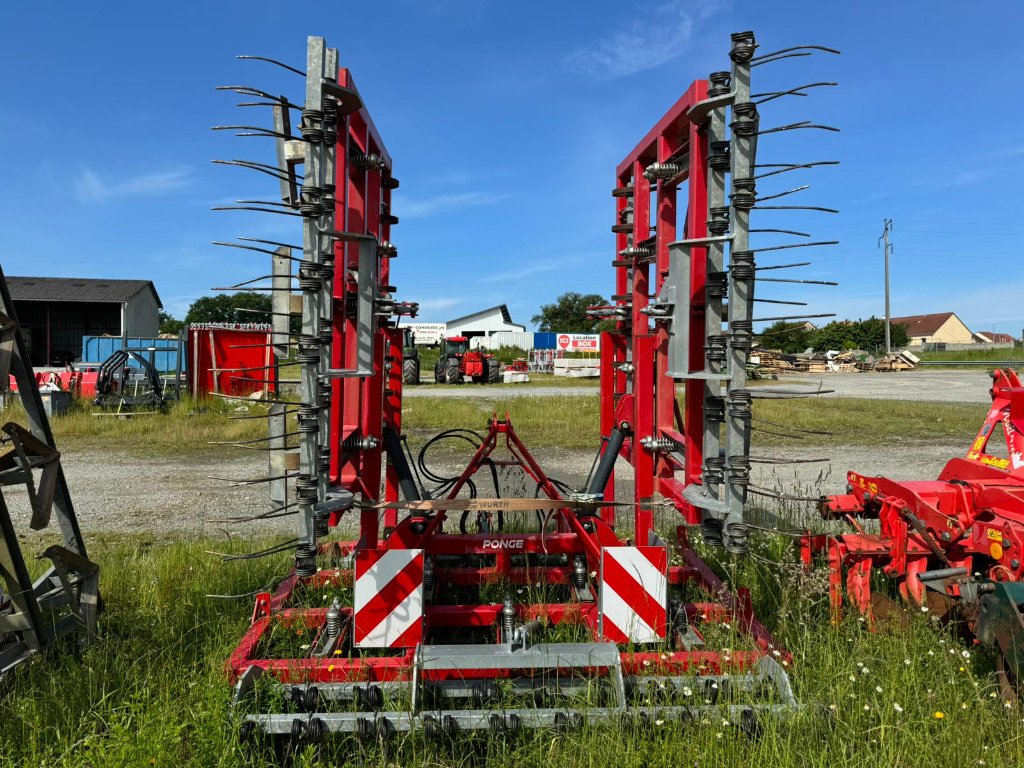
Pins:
x,y
175,497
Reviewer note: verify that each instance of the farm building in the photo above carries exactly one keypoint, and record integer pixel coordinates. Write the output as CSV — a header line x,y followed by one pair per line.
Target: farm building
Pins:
x,y
939,328
486,322
56,312
991,337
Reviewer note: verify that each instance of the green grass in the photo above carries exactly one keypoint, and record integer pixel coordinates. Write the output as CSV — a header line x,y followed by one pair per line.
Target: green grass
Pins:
x,y
572,421
152,689
536,380
193,428
1016,354
186,428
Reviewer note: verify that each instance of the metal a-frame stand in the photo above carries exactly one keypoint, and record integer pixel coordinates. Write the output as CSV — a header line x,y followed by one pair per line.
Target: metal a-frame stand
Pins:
x,y
64,601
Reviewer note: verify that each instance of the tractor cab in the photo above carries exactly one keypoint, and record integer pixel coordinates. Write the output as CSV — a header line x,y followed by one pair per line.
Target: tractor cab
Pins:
x,y
457,363
455,346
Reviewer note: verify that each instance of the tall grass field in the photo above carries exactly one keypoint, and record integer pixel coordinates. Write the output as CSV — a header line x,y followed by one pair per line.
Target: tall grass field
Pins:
x,y
152,690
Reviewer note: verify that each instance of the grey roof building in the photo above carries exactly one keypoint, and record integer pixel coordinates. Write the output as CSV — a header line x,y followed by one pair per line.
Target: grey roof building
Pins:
x,y
56,312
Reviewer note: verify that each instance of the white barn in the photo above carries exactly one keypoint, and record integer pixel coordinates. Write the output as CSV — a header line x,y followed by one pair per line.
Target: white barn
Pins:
x,y
486,323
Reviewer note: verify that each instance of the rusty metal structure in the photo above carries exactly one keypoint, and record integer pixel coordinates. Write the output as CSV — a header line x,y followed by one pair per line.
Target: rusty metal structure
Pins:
x,y
37,614
451,611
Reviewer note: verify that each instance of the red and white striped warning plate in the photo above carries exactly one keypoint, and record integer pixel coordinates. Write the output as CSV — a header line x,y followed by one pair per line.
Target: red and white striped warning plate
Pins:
x,y
388,598
633,593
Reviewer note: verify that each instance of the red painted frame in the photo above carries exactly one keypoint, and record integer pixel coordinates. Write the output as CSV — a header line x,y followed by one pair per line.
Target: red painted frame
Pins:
x,y
364,406
650,406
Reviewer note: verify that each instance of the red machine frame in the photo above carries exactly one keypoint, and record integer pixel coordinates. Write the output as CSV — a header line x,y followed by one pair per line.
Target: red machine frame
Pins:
x,y
935,533
363,407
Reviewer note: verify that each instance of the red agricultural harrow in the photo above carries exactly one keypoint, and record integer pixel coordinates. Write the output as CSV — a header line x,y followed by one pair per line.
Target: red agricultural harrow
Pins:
x,y
954,543
453,611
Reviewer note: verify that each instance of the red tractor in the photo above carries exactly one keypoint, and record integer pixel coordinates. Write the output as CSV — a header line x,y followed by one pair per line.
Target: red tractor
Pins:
x,y
457,362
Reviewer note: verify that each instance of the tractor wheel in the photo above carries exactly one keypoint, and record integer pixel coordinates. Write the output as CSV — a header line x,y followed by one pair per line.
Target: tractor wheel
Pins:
x,y
452,374
439,371
411,371
493,371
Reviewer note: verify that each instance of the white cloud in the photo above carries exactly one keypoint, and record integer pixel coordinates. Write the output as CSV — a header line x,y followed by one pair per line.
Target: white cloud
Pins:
x,y
431,206
90,188
664,34
439,303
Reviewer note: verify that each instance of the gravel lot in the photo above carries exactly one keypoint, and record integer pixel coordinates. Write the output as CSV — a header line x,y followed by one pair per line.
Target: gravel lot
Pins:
x,y
924,385
120,493
175,497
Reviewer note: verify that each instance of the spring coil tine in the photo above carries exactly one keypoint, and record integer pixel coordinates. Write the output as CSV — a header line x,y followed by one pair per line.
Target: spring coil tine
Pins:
x,y
270,170
271,242
253,208
786,167
780,301
255,130
266,104
821,208
787,246
247,57
793,232
804,124
253,248
797,91
782,194
806,50
794,429
261,553
800,282
785,266
792,317
248,90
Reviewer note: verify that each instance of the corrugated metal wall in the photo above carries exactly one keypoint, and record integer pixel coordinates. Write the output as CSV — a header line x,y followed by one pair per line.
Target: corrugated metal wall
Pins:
x,y
546,340
96,349
142,315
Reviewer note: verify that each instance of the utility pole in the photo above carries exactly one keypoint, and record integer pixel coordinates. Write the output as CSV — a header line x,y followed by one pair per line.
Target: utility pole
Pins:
x,y
884,241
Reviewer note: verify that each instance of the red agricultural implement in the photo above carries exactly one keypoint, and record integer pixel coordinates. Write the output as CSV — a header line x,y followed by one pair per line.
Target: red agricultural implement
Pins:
x,y
418,602
954,543
458,363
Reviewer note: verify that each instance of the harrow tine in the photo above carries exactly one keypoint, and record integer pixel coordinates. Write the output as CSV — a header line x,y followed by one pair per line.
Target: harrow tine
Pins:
x,y
782,232
255,130
803,282
275,62
792,317
270,170
236,483
763,98
782,194
253,248
787,167
251,208
783,266
248,90
277,549
796,50
779,301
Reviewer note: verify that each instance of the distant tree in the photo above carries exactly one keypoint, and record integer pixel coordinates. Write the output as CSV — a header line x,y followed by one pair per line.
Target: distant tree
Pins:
x,y
569,314
789,337
867,334
223,307
170,324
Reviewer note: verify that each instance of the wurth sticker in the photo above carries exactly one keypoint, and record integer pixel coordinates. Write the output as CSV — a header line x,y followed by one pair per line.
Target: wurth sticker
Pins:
x,y
633,594
388,600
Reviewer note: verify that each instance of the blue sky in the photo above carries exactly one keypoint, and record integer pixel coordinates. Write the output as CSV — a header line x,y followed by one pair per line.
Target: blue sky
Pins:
x,y
506,121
